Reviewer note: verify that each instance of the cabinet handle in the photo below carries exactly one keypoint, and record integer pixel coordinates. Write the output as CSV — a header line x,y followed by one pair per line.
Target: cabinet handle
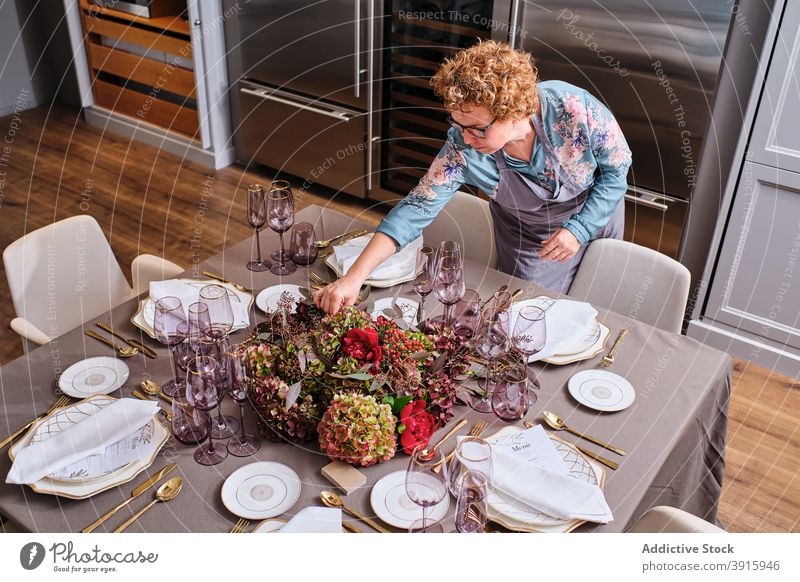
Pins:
x,y
340,115
370,97
357,51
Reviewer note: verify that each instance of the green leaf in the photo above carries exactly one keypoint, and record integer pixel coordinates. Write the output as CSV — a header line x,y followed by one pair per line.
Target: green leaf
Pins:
x,y
401,428
400,403
389,400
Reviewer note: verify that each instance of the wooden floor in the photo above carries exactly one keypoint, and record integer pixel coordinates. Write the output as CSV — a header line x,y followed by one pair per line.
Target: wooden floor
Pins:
x,y
146,201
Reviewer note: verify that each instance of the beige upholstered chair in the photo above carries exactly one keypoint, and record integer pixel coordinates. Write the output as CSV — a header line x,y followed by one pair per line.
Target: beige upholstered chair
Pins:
x,y
465,219
66,273
663,519
634,281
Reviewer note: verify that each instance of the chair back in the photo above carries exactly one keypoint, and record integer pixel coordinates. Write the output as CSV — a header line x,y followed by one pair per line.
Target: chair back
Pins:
x,y
465,219
634,281
64,274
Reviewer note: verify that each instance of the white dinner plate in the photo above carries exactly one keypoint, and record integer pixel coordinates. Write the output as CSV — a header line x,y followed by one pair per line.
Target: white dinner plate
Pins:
x,y
601,390
579,345
269,526
80,487
407,306
267,300
261,490
591,352
391,503
91,376
330,260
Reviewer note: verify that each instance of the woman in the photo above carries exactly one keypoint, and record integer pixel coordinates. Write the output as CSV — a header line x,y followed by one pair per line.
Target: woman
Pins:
x,y
550,156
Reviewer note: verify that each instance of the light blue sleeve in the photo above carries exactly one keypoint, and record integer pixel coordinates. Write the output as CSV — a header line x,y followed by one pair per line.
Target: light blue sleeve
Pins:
x,y
406,221
613,158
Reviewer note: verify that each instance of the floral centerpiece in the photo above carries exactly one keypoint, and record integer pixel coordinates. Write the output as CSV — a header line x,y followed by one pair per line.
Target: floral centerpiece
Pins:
x,y
358,384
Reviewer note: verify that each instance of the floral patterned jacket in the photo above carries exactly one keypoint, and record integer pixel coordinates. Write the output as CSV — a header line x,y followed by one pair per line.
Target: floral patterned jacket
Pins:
x,y
589,144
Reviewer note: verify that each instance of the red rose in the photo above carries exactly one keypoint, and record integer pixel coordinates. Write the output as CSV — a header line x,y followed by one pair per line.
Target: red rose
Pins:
x,y
419,426
362,344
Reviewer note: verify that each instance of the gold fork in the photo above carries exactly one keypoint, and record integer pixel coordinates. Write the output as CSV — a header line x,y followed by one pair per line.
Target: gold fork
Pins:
x,y
61,402
476,431
608,359
321,244
317,279
241,526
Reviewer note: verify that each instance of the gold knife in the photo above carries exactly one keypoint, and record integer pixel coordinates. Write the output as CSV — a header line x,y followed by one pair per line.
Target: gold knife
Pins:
x,y
131,342
350,527
608,463
134,494
237,286
459,425
494,295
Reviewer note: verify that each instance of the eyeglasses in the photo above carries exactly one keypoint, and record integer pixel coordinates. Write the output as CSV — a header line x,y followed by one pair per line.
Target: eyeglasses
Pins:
x,y
474,131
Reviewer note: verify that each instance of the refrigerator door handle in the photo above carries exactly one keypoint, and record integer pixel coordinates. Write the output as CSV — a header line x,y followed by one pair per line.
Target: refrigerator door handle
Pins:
x,y
647,198
357,50
370,88
512,26
335,113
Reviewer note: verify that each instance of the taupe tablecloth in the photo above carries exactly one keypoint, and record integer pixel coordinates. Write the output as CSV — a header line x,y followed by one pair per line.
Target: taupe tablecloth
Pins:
x,y
674,433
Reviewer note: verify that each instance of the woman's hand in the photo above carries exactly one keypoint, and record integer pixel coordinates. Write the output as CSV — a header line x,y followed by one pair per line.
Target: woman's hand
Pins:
x,y
560,246
341,293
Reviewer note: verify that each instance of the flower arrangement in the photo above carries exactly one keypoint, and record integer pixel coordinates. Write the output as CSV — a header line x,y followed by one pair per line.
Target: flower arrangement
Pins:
x,y
357,382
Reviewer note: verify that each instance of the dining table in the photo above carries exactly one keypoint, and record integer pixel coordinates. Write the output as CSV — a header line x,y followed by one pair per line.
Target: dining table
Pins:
x,y
674,433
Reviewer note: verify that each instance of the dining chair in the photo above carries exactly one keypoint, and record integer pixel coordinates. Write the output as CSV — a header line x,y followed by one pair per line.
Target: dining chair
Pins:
x,y
466,219
664,519
65,273
635,281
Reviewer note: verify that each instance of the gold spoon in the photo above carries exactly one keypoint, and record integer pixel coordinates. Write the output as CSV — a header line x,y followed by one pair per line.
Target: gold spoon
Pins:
x,y
166,492
153,389
127,352
554,421
330,499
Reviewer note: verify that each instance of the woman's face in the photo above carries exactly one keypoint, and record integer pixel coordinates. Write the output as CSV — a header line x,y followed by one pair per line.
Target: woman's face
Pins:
x,y
479,116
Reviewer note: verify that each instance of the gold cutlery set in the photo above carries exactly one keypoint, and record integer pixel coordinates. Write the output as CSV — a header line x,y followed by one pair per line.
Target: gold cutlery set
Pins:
x,y
132,348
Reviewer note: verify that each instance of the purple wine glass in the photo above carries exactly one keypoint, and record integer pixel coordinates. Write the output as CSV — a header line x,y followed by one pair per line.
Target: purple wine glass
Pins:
x,y
242,445
426,274
257,217
472,510
425,486
166,328
304,244
280,217
189,424
490,343
281,254
202,392
529,335
512,398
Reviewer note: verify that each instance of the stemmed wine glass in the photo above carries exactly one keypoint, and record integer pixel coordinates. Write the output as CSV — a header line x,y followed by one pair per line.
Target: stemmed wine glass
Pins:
x,y
490,342
203,392
278,253
244,444
529,337
217,327
472,510
449,282
257,217
467,315
166,327
280,217
426,487
426,273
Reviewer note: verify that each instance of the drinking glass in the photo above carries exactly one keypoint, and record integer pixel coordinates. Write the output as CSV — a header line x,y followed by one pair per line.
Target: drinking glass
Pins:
x,y
529,337
471,454
242,445
166,321
472,511
257,217
202,392
199,321
278,253
426,487
280,217
220,311
449,284
467,315
304,243
490,342
189,425
426,273
512,398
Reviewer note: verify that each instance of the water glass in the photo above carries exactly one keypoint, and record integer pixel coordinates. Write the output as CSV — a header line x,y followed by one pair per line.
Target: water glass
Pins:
x,y
467,315
472,508
189,425
471,454
511,398
304,243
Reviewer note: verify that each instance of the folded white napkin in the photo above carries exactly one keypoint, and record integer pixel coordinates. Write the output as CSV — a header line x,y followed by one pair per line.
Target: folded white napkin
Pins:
x,y
190,293
90,436
315,520
566,321
399,264
550,492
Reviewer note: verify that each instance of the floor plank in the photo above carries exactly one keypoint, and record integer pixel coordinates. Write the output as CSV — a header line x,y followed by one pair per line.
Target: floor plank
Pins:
x,y
146,201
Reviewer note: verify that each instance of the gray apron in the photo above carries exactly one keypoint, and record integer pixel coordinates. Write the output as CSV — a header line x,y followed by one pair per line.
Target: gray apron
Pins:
x,y
524,214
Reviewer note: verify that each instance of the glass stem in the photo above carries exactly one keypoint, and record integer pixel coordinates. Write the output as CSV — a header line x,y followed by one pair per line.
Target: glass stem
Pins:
x,y
258,244
283,256
448,313
210,437
241,420
173,355
421,308
424,518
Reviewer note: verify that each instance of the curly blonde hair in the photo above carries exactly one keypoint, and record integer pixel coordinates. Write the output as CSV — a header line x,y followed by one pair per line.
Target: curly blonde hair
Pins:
x,y
492,74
